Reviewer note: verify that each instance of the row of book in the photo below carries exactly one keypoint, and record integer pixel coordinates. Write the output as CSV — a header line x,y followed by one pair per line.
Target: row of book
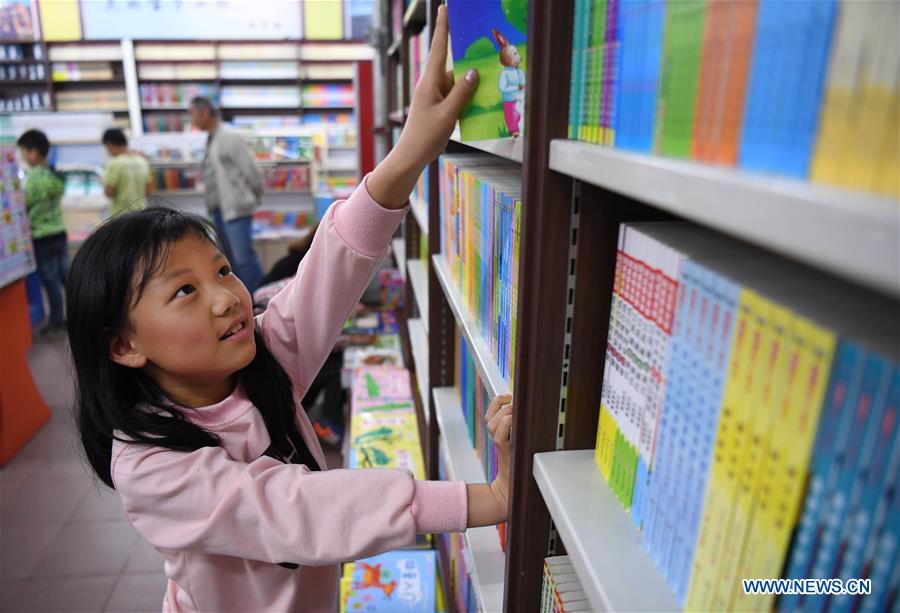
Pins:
x,y
18,51
290,148
81,71
733,377
106,99
457,568
22,72
481,209
177,72
179,95
171,179
418,55
394,582
722,82
475,399
322,95
28,101
419,197
562,591
292,178
383,424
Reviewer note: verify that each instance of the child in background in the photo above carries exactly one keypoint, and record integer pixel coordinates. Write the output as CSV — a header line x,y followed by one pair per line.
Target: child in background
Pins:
x,y
43,193
190,407
126,178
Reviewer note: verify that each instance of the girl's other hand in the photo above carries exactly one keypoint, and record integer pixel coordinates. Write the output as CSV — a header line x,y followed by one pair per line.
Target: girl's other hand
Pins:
x,y
436,105
499,423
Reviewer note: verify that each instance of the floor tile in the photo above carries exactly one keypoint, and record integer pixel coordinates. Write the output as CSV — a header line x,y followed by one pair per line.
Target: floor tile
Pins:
x,y
144,558
42,500
79,594
98,505
23,546
138,594
88,549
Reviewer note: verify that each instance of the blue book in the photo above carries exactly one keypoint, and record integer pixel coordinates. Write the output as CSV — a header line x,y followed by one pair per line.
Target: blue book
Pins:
x,y
726,295
395,582
695,394
885,570
576,77
856,461
879,486
831,442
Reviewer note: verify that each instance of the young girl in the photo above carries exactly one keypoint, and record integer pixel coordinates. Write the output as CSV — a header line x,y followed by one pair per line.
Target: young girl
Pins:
x,y
190,408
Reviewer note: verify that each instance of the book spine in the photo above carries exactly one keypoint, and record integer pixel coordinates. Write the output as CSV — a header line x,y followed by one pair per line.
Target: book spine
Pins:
x,y
774,377
788,456
855,465
885,565
880,484
728,448
836,415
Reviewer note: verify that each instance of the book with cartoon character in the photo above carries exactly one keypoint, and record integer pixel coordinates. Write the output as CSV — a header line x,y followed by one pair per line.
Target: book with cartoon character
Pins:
x,y
395,582
490,36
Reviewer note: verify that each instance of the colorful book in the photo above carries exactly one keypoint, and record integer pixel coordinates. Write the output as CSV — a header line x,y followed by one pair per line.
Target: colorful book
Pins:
x,y
490,36
398,581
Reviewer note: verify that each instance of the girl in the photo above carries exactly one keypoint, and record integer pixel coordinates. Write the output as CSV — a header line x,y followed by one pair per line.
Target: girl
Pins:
x,y
189,407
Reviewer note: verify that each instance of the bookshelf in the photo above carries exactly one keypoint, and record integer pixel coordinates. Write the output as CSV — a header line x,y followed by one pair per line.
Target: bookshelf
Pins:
x,y
606,551
574,197
483,549
25,84
856,235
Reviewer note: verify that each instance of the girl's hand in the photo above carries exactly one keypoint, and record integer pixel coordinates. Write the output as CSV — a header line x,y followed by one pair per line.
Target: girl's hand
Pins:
x,y
489,504
436,105
499,423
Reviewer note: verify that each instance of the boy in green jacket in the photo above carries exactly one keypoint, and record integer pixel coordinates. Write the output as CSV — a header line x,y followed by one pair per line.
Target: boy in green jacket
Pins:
x,y
43,193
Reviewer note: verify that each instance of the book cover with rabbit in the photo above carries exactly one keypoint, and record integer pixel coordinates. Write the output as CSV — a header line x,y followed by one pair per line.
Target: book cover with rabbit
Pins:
x,y
490,36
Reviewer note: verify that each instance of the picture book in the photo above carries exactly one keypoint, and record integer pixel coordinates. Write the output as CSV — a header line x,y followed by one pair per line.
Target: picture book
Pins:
x,y
490,36
395,582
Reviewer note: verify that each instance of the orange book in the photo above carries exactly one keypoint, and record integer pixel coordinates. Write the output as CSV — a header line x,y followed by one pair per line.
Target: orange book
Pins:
x,y
724,69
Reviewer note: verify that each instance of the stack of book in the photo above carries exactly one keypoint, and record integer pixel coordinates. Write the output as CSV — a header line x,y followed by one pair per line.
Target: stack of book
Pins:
x,y
92,100
323,96
720,82
384,429
246,96
81,71
562,592
481,209
731,377
175,95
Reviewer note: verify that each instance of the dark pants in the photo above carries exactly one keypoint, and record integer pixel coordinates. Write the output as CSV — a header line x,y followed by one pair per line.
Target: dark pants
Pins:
x,y
52,256
329,381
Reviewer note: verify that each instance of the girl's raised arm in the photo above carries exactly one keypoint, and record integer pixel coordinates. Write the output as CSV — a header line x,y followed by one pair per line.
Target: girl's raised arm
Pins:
x,y
303,321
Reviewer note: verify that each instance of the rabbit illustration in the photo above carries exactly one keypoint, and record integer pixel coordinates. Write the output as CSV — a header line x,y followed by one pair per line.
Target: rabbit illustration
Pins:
x,y
511,84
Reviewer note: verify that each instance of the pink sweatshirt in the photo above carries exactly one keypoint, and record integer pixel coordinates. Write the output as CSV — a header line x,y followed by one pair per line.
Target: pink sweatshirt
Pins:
x,y
224,517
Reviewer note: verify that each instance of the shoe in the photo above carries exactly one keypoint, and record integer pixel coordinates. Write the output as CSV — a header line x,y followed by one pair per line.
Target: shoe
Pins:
x,y
326,433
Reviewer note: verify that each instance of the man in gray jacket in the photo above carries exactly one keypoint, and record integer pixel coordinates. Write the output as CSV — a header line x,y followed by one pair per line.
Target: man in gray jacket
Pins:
x,y
233,189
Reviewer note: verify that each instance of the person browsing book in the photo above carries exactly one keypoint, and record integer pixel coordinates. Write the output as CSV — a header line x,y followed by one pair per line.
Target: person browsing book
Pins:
x,y
234,187
43,195
126,178
188,406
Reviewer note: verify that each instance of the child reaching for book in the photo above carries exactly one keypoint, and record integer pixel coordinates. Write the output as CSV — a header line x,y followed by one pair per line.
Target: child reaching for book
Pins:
x,y
190,408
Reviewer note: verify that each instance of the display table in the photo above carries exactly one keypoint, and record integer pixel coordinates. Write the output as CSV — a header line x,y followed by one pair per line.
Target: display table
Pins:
x,y
22,409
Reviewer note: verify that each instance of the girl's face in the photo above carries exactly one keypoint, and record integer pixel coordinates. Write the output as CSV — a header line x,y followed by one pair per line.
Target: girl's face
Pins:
x,y
192,328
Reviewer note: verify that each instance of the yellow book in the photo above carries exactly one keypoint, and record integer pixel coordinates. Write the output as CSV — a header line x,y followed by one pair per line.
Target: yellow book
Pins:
x,y
758,416
835,124
606,436
726,452
787,461
884,95
867,110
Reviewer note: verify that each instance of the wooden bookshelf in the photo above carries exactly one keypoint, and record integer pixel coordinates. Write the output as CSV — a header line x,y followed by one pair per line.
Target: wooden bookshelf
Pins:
x,y
574,197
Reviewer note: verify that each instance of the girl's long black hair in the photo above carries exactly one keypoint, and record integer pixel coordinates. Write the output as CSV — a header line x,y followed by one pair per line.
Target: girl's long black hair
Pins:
x,y
107,275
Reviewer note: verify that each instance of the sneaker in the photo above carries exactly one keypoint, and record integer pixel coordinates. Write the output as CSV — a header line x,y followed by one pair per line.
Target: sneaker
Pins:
x,y
326,433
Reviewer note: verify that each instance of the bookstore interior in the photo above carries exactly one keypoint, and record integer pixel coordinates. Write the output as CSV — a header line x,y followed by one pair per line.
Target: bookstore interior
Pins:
x,y
669,229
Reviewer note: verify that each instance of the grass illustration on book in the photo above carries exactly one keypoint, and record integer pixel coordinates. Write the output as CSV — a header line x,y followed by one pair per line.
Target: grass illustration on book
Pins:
x,y
490,36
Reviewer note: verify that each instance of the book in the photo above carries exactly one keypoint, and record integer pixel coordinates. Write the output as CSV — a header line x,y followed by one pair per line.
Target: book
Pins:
x,y
397,581
490,36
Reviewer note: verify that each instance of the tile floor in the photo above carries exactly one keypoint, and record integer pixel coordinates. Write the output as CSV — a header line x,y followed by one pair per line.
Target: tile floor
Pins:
x,y
64,542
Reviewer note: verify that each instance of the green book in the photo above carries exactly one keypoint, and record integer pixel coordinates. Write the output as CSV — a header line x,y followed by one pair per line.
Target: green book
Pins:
x,y
682,46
